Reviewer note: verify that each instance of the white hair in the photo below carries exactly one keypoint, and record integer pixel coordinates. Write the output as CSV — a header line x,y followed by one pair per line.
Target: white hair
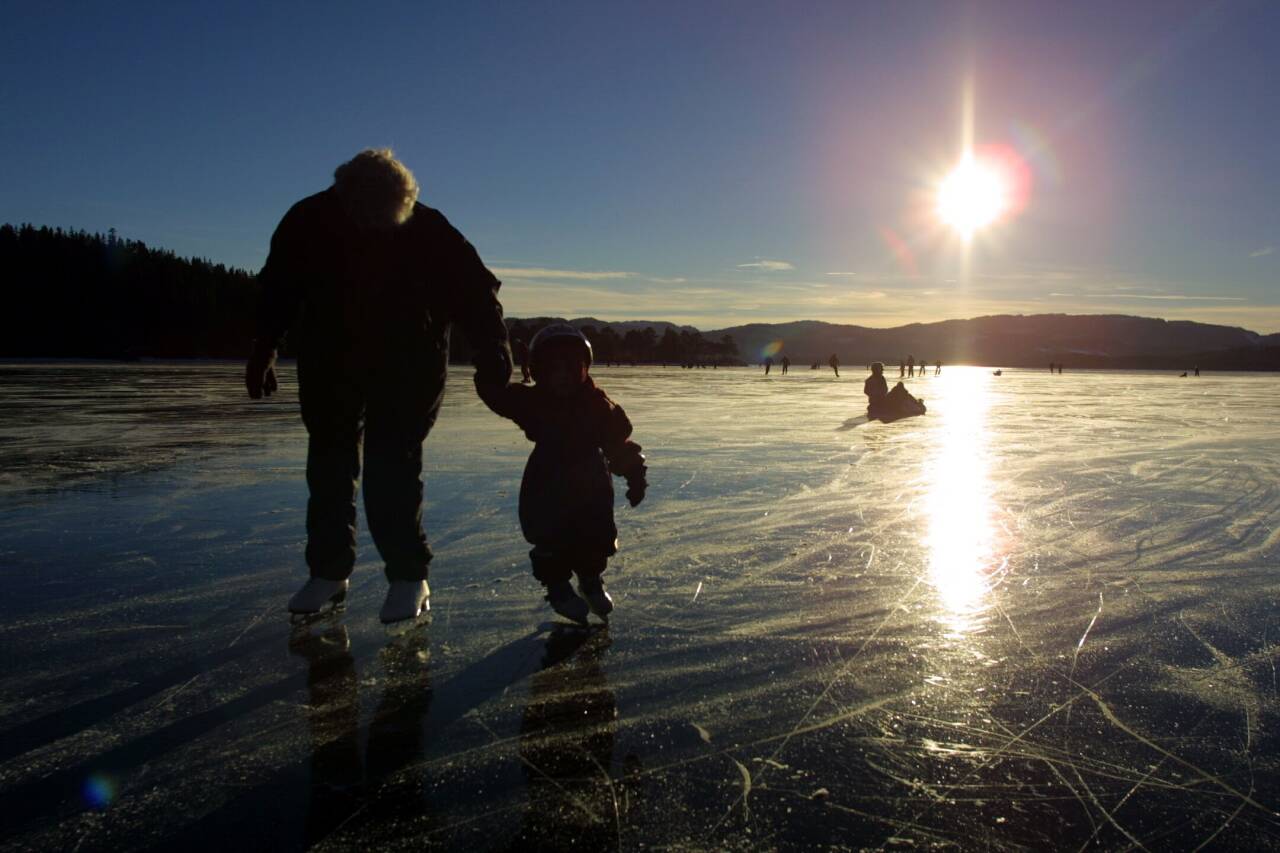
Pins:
x,y
376,189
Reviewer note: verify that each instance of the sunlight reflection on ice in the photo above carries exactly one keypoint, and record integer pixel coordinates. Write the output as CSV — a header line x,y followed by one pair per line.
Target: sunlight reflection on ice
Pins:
x,y
961,541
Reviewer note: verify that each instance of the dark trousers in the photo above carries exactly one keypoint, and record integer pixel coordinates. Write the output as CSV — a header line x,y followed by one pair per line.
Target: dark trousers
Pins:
x,y
553,565
387,414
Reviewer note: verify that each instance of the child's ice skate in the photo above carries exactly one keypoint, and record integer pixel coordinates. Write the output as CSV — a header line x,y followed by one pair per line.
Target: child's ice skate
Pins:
x,y
315,594
598,600
566,602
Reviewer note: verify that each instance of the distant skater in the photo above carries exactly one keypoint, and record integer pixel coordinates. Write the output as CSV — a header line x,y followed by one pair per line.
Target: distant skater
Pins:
x,y
1197,373
937,370
902,369
369,280
786,365
911,366
768,365
580,437
835,364
1051,367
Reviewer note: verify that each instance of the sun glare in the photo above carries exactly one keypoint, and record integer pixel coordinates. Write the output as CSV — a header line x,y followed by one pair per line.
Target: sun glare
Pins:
x,y
973,195
966,556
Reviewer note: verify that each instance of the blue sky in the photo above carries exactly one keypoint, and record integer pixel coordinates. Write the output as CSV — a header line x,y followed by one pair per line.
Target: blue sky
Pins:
x,y
711,163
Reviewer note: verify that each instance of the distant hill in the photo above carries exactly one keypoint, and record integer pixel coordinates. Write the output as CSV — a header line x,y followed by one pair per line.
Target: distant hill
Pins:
x,y
619,326
1077,340
1016,340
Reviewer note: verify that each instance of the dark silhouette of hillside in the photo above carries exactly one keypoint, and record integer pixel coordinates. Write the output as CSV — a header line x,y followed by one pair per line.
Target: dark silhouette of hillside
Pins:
x,y
72,294
1023,341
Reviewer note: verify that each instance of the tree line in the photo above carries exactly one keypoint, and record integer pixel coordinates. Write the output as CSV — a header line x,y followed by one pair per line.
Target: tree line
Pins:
x,y
72,294
75,294
639,345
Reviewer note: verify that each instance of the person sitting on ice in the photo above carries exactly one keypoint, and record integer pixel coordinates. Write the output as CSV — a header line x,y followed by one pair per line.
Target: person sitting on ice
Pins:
x,y
876,387
580,437
884,404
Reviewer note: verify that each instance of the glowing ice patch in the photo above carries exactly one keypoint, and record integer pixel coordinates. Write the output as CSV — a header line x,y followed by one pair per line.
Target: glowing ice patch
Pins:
x,y
99,791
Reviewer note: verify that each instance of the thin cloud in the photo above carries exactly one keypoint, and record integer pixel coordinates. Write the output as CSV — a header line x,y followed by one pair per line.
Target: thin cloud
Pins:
x,y
1176,297
1263,252
767,265
843,274
570,275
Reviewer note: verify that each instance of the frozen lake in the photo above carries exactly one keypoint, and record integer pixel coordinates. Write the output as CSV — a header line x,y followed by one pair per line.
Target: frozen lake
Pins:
x,y
1043,615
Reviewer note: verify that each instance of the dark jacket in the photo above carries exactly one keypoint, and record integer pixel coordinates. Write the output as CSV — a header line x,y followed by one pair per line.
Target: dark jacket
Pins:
x,y
875,388
566,496
365,298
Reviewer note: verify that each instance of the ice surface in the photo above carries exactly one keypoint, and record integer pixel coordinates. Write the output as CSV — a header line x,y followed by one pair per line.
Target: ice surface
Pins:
x,y
1043,615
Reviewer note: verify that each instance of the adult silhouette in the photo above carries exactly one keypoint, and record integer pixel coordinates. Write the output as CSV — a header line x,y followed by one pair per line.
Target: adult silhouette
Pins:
x,y
368,282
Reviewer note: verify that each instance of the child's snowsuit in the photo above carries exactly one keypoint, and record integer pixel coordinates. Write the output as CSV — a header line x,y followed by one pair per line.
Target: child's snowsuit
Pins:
x,y
566,495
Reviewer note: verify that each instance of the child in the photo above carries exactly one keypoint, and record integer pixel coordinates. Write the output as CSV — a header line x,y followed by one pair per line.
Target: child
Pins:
x,y
580,436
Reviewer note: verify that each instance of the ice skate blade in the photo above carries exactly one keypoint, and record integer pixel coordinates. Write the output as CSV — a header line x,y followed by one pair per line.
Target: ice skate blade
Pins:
x,y
332,609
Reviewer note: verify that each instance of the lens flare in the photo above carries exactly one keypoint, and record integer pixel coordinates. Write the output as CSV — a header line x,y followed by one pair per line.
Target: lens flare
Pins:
x,y
771,349
99,791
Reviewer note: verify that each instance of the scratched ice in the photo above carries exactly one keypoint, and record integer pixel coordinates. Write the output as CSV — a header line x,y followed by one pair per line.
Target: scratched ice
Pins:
x,y
1043,615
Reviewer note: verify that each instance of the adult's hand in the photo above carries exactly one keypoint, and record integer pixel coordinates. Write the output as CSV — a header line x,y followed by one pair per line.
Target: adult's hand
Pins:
x,y
260,373
493,368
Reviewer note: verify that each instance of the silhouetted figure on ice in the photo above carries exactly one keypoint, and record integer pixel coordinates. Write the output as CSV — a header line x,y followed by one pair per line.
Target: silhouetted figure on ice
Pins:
x,y
566,497
368,282
884,404
786,365
911,366
835,364
937,370
768,365
1197,370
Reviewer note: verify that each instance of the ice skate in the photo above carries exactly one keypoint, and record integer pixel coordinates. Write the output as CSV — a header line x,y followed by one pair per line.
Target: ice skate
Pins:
x,y
566,602
405,600
315,594
598,599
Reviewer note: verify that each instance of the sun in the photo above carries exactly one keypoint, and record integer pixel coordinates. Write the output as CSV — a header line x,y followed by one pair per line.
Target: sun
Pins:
x,y
972,196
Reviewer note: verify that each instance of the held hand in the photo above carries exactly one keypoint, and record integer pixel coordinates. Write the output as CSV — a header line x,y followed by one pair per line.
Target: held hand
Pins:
x,y
494,368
